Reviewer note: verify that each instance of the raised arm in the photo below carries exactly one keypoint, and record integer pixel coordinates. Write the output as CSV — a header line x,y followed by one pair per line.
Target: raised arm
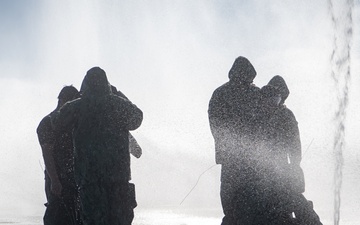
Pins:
x,y
129,113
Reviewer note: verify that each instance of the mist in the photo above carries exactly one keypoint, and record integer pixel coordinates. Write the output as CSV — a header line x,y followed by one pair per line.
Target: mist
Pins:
x,y
168,57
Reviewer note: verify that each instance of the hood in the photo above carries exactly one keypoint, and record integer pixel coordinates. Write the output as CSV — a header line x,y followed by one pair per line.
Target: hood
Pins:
x,y
95,82
242,70
279,83
68,93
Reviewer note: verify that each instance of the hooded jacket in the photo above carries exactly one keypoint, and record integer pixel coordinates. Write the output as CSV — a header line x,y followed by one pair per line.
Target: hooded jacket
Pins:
x,y
231,110
287,140
101,122
279,83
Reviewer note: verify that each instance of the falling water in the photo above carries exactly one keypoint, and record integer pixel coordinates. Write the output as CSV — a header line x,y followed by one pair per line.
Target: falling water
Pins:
x,y
341,16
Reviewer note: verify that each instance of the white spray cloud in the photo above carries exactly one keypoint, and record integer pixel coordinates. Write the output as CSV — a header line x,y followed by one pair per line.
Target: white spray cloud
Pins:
x,y
168,57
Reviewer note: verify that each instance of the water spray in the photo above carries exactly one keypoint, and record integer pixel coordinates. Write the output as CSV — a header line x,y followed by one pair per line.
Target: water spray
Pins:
x,y
342,22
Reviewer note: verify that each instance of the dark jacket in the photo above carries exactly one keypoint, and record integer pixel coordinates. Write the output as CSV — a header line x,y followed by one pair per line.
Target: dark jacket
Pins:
x,y
62,144
101,122
64,153
231,111
101,131
278,142
45,130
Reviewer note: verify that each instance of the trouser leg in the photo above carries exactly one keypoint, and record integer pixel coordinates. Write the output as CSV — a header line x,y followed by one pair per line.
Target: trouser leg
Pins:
x,y
122,203
227,193
94,205
107,203
53,205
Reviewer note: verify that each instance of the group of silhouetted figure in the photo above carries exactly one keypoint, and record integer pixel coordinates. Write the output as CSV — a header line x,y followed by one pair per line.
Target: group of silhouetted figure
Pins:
x,y
85,143
257,142
86,146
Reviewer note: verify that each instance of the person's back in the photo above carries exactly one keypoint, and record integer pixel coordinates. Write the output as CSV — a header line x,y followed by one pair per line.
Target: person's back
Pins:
x,y
46,137
58,157
101,122
231,110
106,147
64,162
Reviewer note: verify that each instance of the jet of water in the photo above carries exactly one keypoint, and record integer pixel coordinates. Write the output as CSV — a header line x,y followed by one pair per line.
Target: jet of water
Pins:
x,y
342,21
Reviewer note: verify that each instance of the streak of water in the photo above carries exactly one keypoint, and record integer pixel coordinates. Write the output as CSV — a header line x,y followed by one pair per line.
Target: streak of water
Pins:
x,y
342,21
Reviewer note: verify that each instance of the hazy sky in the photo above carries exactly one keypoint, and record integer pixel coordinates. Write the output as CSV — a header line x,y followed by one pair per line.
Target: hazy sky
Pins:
x,y
168,57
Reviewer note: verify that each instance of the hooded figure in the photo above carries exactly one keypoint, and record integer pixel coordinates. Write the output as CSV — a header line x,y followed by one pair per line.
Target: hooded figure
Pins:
x,y
101,122
285,143
279,83
231,112
278,139
287,126
277,179
255,203
231,108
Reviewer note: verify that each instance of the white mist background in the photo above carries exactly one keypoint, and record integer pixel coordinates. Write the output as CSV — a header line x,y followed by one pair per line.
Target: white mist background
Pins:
x,y
168,57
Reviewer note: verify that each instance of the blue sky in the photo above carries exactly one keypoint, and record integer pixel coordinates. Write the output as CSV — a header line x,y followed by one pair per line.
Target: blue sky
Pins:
x,y
168,57
19,31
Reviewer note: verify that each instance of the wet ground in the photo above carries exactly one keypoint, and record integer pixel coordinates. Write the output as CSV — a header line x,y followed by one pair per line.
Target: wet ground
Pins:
x,y
146,217
173,216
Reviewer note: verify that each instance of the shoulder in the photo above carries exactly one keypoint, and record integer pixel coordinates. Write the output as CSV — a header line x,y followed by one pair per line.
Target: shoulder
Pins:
x,y
116,97
121,104
43,125
117,100
74,102
222,90
45,130
287,114
254,88
253,91
71,105
67,112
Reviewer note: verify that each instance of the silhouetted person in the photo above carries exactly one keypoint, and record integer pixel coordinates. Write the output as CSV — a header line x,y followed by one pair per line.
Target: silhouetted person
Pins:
x,y
277,181
286,141
231,112
57,148
101,122
271,165
287,135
